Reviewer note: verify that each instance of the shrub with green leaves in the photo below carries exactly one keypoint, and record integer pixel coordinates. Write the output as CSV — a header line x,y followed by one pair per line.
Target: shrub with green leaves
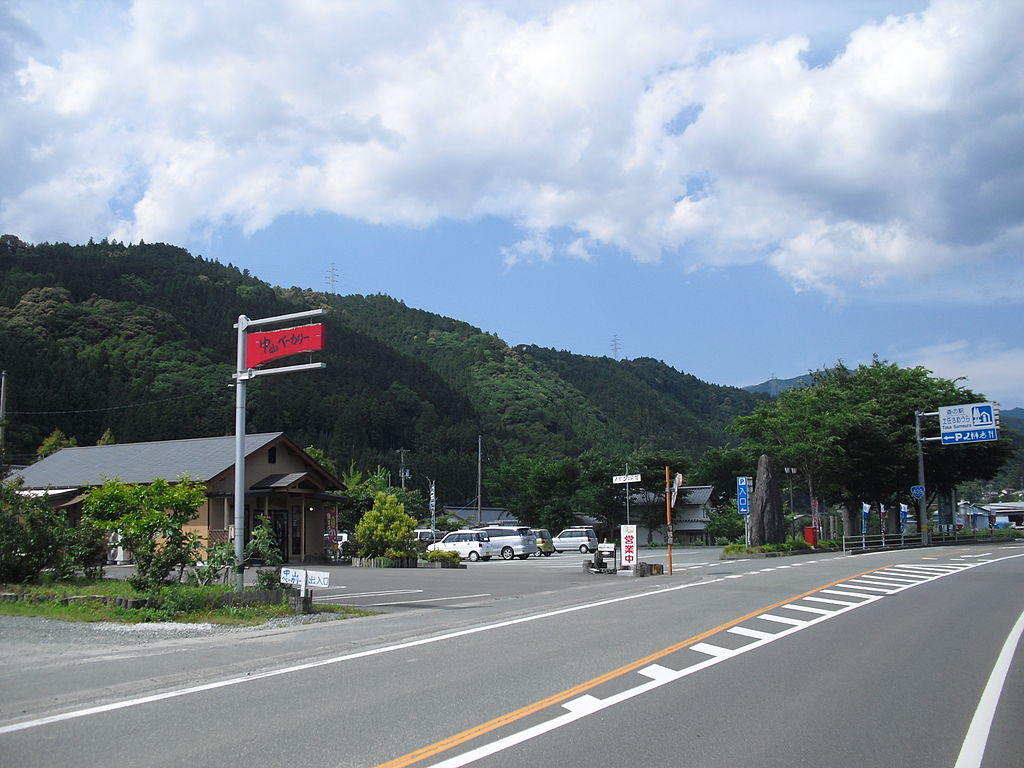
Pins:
x,y
263,546
151,520
441,556
31,535
386,529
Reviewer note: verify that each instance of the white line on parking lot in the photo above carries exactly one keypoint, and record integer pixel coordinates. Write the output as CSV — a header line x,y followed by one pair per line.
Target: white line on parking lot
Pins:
x,y
382,593
430,600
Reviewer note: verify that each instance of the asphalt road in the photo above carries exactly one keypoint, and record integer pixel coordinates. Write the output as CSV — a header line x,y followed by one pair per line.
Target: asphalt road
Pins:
x,y
534,662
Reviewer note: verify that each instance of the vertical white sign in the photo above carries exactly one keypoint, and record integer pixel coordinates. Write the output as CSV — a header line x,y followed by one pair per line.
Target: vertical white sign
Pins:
x,y
628,548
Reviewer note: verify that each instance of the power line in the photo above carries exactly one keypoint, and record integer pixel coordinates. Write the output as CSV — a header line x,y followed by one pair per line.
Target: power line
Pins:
x,y
109,408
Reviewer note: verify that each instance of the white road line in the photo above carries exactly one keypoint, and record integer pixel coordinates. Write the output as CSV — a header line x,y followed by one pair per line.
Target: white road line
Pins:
x,y
124,704
382,593
857,584
782,619
712,650
830,601
973,748
754,633
429,600
807,609
845,593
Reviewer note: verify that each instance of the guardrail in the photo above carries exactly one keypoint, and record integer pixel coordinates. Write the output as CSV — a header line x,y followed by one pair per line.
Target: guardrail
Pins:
x,y
881,541
935,538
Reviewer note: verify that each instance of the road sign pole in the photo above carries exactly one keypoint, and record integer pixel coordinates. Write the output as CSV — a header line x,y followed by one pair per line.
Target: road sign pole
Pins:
x,y
668,516
922,503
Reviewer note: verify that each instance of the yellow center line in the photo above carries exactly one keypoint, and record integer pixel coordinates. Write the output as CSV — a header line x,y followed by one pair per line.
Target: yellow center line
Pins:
x,y
468,735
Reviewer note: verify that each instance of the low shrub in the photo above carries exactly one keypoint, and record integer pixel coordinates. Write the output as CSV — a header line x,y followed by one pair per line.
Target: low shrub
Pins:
x,y
441,556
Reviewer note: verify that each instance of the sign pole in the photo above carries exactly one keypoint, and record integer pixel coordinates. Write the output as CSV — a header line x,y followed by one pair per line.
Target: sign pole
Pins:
x,y
240,379
668,515
242,374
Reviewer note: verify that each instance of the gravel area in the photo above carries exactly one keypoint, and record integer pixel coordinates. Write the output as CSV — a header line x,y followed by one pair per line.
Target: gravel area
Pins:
x,y
24,630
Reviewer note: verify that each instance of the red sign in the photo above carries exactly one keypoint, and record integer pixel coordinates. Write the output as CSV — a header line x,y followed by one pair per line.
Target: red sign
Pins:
x,y
270,345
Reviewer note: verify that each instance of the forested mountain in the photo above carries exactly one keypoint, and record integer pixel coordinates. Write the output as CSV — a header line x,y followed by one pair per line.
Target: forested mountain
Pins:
x,y
139,339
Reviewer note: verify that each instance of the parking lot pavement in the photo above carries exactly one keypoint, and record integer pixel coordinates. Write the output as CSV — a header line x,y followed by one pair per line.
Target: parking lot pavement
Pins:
x,y
560,577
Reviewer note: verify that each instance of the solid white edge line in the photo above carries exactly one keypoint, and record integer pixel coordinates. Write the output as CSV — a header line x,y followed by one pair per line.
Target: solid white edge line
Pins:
x,y
976,740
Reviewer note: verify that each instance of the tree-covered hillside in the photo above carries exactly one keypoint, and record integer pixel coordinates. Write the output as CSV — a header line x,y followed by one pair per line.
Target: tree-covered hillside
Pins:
x,y
139,339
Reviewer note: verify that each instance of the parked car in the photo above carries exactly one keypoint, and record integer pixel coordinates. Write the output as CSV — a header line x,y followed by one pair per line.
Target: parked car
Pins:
x,y
510,541
580,538
544,545
471,545
428,535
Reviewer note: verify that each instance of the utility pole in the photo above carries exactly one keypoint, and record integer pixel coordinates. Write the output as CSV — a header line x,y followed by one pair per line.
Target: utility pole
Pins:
x,y
401,465
3,419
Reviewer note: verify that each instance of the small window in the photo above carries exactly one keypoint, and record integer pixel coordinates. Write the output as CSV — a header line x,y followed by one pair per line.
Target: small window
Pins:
x,y
272,455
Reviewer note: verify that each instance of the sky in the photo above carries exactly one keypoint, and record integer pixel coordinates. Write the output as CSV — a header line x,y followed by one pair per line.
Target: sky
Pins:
x,y
737,188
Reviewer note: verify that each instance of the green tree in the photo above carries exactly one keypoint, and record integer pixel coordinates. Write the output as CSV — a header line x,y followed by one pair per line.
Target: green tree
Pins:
x,y
320,457
56,441
151,519
31,535
386,529
851,435
107,438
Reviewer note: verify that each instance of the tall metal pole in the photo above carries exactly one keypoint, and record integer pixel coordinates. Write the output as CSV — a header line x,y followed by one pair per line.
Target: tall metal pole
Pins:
x,y
242,375
240,379
668,515
922,503
479,470
3,418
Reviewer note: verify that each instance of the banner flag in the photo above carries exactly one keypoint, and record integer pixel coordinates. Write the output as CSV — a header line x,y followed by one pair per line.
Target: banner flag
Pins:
x,y
269,345
904,509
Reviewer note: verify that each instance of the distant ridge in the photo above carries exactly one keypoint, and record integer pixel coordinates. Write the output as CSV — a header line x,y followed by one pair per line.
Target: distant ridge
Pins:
x,y
773,387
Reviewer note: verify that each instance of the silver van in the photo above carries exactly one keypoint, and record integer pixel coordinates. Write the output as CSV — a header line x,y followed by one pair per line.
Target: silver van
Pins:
x,y
508,541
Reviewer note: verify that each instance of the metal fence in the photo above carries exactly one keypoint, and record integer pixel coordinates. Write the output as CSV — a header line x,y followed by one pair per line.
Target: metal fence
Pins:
x,y
935,538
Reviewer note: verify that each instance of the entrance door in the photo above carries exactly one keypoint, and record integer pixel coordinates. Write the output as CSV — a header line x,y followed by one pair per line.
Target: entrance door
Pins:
x,y
279,522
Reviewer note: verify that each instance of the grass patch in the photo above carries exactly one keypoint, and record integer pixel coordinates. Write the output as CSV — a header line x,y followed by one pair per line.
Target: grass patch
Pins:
x,y
173,602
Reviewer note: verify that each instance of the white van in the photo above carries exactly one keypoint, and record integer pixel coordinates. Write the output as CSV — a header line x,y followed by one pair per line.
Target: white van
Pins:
x,y
428,535
471,545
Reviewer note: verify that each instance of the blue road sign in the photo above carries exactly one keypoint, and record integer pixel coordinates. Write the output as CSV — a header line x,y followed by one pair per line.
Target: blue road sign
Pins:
x,y
743,495
917,491
969,423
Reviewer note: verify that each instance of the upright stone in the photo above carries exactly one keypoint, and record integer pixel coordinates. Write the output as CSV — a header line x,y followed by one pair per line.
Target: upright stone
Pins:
x,y
767,524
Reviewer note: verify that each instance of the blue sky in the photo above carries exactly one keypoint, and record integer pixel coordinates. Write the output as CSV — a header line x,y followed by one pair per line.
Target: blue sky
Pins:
x,y
735,191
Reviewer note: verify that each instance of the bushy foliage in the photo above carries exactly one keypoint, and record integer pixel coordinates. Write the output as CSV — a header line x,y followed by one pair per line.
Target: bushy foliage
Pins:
x,y
35,538
264,548
220,557
386,530
30,536
441,556
151,520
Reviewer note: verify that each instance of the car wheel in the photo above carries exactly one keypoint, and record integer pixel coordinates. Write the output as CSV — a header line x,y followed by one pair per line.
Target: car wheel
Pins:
x,y
507,553
547,554
584,549
474,556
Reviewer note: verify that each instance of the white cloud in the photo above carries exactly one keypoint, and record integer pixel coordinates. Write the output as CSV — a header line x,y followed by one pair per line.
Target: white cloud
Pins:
x,y
693,130
990,369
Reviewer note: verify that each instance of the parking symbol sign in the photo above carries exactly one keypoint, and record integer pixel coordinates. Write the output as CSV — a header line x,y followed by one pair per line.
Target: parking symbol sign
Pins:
x,y
969,423
743,495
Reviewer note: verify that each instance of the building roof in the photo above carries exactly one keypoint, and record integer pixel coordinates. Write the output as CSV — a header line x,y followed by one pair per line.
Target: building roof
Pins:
x,y
201,459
